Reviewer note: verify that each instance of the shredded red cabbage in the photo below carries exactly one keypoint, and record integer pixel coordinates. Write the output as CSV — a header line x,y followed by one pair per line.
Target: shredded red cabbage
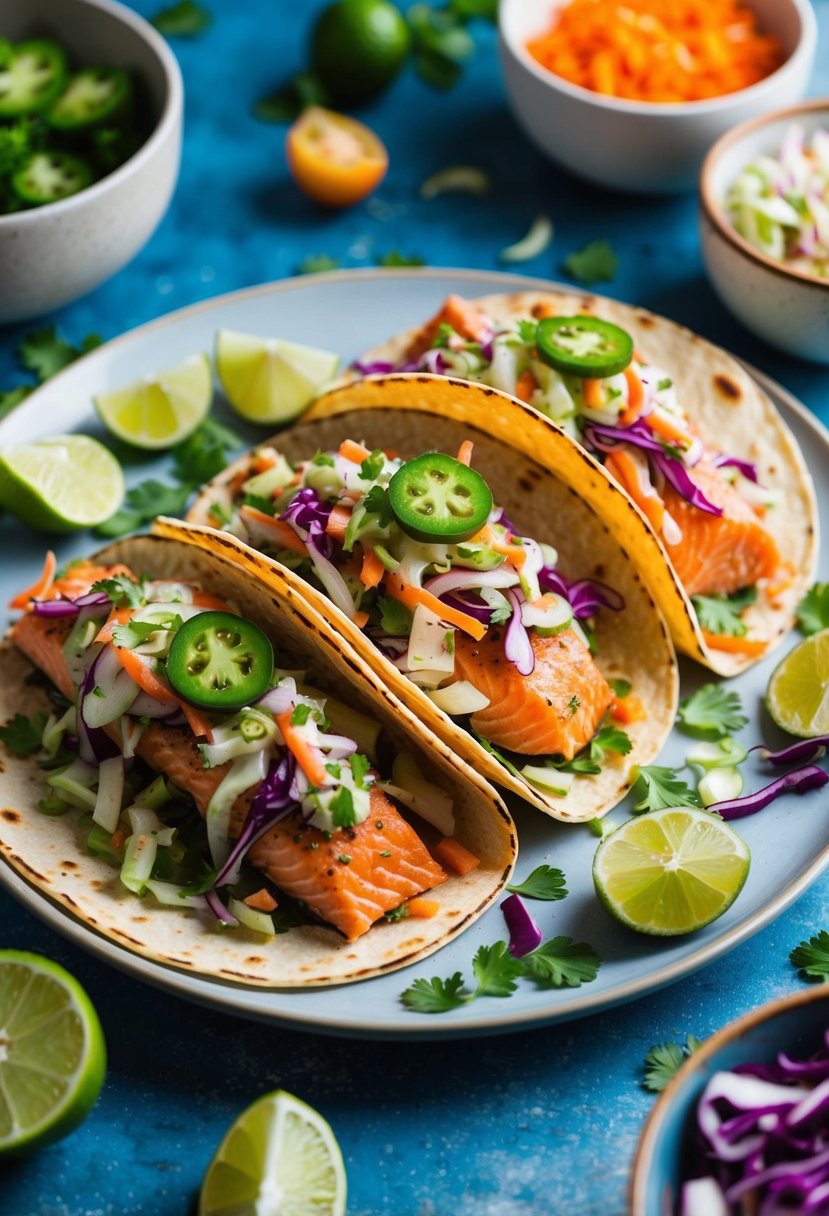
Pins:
x,y
524,933
804,751
374,367
218,908
517,645
746,467
306,508
676,475
798,781
67,607
94,744
471,604
271,802
639,435
585,596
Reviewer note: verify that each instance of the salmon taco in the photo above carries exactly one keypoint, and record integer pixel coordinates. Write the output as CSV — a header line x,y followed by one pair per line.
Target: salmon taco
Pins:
x,y
217,750
678,424
490,598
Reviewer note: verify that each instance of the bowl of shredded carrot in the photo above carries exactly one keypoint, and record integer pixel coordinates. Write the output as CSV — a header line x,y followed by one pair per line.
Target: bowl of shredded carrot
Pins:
x,y
632,93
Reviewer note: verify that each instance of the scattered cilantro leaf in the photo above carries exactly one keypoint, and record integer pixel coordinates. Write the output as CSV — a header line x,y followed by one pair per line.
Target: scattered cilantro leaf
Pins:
x,y
399,913
135,632
527,332
23,736
543,883
609,739
444,335
395,618
496,970
400,259
621,688
184,19
812,611
562,963
657,787
722,613
123,592
579,764
142,504
436,995
45,353
287,103
376,502
812,957
493,751
663,1059
573,704
318,263
360,767
595,263
712,712
342,808
372,466
300,715
203,454
501,613
11,398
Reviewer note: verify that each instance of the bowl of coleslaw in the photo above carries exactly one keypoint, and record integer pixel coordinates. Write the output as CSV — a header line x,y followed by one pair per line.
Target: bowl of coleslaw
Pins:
x,y
764,226
741,1127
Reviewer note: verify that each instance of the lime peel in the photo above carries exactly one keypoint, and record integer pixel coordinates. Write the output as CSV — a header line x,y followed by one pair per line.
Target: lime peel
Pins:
x,y
159,410
61,484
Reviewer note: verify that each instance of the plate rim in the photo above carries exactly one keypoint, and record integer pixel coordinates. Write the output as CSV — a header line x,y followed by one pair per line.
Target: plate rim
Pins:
x,y
221,996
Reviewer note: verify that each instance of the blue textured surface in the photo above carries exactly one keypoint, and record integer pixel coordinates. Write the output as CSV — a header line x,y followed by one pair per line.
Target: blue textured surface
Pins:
x,y
541,1122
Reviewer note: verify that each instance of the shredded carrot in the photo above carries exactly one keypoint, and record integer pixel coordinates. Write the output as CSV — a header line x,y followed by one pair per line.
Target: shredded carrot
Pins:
x,y
784,580
372,569
463,316
636,398
204,599
734,645
307,757
657,50
360,619
41,585
663,426
452,854
627,709
525,386
261,901
516,554
422,908
263,461
465,452
350,450
148,682
281,531
118,616
593,394
410,596
338,522
620,465
118,839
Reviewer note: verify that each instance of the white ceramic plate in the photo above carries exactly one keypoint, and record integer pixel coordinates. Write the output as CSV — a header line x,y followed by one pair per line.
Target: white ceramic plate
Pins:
x,y
789,841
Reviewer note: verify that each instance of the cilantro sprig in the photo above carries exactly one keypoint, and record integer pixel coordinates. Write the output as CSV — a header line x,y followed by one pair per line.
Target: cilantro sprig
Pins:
x,y
23,736
45,353
723,613
122,591
657,787
664,1059
544,882
712,712
184,19
813,609
595,263
812,957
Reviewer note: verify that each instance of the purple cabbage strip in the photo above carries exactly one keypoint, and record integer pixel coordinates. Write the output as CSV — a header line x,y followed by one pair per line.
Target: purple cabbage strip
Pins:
x,y
54,608
374,367
273,801
524,933
305,508
585,595
639,435
94,744
746,467
517,645
218,908
474,607
676,475
804,751
798,781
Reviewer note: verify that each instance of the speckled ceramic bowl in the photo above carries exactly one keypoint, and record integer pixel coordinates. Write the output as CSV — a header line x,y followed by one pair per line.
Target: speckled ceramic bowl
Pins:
x,y
56,253
645,147
794,1023
787,308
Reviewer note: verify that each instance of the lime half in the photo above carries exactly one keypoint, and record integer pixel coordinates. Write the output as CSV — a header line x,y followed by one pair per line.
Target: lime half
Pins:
x,y
670,871
280,1158
798,693
161,410
61,484
268,380
52,1052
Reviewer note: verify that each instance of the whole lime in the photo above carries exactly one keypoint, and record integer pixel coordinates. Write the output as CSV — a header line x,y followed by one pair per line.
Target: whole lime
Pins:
x,y
358,47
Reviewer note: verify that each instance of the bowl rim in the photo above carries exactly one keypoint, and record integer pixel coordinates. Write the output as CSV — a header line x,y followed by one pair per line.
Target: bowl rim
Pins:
x,y
803,49
165,124
711,209
734,1029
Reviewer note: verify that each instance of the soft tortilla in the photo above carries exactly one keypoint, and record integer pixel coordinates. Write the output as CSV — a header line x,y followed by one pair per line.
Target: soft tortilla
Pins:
x,y
724,403
431,412
47,852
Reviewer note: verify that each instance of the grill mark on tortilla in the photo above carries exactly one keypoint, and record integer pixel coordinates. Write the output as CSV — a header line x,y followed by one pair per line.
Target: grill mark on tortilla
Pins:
x,y
9,815
728,387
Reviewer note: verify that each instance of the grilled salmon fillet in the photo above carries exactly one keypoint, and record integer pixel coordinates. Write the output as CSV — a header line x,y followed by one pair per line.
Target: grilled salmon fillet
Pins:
x,y
345,880
554,711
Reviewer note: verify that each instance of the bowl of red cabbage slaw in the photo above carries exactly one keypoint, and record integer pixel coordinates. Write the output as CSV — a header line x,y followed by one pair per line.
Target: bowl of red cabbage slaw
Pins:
x,y
743,1127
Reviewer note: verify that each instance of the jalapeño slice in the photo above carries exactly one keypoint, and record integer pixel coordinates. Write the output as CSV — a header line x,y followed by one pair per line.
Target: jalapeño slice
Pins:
x,y
436,498
32,77
48,176
584,346
91,96
220,661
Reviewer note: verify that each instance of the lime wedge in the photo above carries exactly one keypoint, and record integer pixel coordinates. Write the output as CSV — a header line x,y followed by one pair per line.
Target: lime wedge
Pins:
x,y
670,871
798,693
61,484
52,1052
280,1158
269,380
161,410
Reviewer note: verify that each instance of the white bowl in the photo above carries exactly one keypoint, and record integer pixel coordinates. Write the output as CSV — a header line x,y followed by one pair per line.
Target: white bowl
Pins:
x,y
787,308
646,147
56,253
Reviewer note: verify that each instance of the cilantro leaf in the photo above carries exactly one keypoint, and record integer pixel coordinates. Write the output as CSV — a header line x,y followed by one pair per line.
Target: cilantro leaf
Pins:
x,y
360,767
376,502
23,736
182,20
712,712
609,739
543,883
318,263
496,970
342,808
300,715
436,995
203,454
45,353
142,504
493,751
395,618
562,963
663,1059
657,787
400,259
579,764
501,613
813,609
595,263
527,331
372,466
135,632
12,397
722,613
621,688
812,957
287,103
400,913
123,592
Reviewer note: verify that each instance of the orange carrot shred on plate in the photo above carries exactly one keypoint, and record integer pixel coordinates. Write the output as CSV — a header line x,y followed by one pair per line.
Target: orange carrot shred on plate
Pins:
x,y
410,596
372,570
338,522
307,757
452,854
734,645
465,452
41,586
422,908
355,452
261,901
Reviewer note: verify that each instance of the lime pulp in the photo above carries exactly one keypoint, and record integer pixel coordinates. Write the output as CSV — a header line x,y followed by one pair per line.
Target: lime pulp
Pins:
x,y
798,692
61,484
161,410
269,380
